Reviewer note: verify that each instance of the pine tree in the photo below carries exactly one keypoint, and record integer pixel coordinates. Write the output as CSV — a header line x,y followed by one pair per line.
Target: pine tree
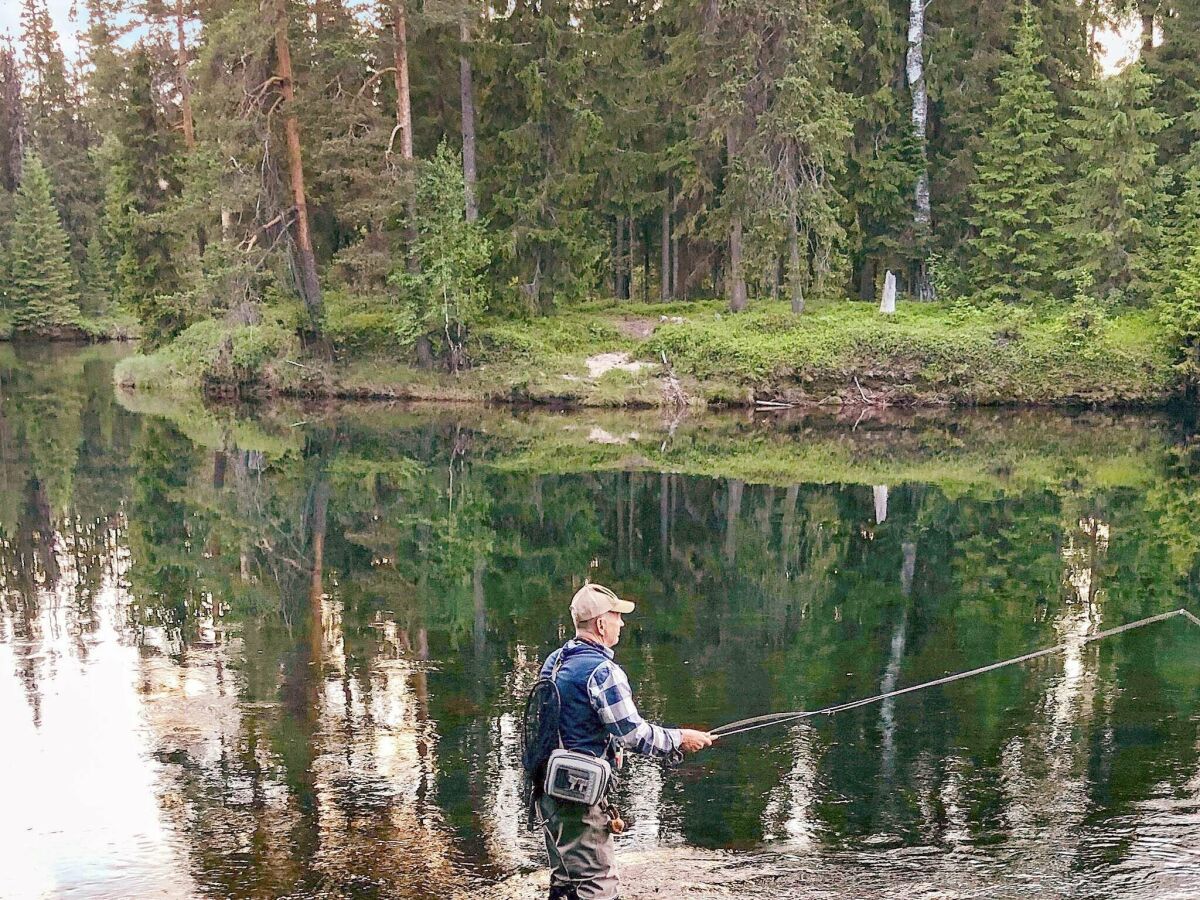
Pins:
x,y
1013,250
141,187
42,287
58,131
971,41
541,131
1175,64
1117,194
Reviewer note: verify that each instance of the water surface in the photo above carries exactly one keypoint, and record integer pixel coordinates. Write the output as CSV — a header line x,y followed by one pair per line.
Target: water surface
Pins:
x,y
282,652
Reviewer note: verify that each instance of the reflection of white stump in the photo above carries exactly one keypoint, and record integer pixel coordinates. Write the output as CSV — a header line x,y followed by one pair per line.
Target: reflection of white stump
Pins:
x,y
880,502
888,306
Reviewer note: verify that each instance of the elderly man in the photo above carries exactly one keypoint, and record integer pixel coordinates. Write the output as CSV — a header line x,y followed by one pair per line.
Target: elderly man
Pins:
x,y
597,717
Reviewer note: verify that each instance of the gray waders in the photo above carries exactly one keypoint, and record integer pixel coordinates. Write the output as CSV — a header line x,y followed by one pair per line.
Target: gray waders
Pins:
x,y
580,847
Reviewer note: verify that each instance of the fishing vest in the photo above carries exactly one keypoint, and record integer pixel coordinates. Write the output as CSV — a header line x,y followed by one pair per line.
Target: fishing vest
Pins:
x,y
578,723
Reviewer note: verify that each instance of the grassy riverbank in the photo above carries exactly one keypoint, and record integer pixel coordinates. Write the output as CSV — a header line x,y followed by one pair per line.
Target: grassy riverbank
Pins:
x,y
620,355
102,329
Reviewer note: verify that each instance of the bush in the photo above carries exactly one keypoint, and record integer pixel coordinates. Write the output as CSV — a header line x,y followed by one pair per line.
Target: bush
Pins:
x,y
372,324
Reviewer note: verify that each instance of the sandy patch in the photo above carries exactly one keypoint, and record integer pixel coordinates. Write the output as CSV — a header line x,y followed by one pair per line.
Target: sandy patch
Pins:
x,y
601,363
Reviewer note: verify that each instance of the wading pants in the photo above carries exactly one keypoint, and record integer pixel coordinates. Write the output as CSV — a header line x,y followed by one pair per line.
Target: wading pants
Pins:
x,y
580,848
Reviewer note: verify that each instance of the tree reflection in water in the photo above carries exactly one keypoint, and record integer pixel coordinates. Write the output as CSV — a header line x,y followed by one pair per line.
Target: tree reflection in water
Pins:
x,y
296,655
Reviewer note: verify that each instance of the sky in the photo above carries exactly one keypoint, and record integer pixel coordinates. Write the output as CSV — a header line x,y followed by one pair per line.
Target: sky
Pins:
x,y
1119,46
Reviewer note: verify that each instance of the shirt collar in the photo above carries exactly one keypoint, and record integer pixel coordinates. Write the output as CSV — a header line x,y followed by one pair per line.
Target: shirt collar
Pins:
x,y
574,643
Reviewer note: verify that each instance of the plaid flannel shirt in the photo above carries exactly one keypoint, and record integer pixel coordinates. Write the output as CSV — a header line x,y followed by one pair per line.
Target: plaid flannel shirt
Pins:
x,y
612,699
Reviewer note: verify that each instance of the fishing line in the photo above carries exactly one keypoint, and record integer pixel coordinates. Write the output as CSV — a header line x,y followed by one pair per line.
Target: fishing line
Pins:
x,y
743,725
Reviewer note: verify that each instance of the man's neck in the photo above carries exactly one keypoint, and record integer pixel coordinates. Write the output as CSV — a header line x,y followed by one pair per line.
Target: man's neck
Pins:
x,y
593,640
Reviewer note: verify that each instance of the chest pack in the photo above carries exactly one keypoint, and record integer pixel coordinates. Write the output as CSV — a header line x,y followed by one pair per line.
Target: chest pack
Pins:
x,y
551,769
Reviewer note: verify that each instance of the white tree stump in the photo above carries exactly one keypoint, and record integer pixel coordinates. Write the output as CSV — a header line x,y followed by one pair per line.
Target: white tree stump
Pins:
x,y
888,306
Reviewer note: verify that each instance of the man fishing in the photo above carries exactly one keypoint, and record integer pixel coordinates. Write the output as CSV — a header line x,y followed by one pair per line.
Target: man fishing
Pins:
x,y
597,717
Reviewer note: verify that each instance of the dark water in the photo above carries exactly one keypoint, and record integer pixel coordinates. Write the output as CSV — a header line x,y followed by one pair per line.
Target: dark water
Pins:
x,y
282,654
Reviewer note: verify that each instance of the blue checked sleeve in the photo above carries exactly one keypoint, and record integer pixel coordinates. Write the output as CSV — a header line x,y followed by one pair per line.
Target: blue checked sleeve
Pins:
x,y
612,699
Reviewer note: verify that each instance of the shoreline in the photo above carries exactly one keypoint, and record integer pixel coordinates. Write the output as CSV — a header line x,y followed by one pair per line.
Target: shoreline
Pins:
x,y
696,355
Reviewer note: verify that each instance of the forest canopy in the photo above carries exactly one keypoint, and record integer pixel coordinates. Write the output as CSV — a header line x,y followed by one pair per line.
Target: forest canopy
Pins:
x,y
386,174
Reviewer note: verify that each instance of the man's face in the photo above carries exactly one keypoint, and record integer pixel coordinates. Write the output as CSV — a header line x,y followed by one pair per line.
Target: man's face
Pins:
x,y
609,627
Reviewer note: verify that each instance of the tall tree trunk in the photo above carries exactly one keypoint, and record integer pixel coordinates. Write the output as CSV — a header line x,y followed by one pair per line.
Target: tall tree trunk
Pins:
x,y
866,279
185,99
675,265
1146,10
736,287
400,74
665,257
185,86
466,87
629,256
404,123
646,262
619,261
306,261
795,281
915,66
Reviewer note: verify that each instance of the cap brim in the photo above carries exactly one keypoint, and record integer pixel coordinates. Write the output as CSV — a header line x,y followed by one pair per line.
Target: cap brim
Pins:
x,y
622,606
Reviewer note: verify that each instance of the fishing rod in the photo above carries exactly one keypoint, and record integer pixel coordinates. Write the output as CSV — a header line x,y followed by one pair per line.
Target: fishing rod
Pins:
x,y
781,718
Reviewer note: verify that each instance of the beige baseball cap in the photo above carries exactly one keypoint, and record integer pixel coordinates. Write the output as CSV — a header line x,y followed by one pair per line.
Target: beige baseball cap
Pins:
x,y
594,600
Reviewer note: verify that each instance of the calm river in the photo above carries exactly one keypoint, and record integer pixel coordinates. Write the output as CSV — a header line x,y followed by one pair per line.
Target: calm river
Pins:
x,y
282,653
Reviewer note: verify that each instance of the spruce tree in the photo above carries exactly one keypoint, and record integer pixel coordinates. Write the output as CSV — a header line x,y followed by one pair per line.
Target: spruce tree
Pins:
x,y
1117,194
42,288
1013,251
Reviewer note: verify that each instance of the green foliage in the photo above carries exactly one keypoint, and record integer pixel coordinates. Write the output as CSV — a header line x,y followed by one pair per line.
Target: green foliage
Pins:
x,y
963,354
42,286
450,290
368,323
1013,251
216,353
1181,313
1116,197
142,182
542,133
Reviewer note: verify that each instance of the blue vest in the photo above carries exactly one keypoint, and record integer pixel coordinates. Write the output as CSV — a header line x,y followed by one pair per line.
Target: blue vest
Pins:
x,y
579,724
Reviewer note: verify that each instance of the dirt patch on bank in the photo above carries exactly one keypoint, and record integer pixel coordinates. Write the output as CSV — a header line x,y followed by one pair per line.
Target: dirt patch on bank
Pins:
x,y
602,363
638,327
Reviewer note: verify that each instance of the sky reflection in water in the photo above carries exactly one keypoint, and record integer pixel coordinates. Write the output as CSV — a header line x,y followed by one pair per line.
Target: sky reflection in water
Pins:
x,y
243,659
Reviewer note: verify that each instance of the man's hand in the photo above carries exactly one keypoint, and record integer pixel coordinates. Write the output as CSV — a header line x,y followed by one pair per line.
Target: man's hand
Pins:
x,y
691,740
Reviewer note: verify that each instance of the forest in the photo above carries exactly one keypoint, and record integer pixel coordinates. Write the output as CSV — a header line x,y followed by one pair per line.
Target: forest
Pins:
x,y
435,186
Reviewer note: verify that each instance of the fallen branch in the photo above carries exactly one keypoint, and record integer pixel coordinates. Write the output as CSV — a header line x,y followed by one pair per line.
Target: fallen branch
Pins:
x,y
862,393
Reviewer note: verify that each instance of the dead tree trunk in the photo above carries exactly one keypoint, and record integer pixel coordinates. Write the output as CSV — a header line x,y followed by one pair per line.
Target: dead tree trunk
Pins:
x,y
306,261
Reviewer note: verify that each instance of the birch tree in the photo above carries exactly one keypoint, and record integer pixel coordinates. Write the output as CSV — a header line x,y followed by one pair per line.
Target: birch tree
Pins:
x,y
922,215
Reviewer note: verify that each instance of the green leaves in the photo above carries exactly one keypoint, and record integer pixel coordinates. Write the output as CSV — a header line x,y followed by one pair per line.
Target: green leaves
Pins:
x,y
450,290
